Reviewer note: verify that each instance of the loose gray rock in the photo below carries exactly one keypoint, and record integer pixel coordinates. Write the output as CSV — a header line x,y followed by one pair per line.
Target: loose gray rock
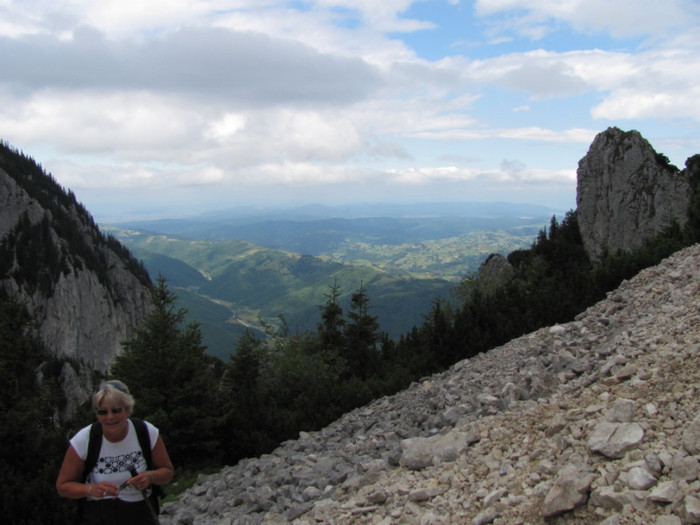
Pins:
x,y
692,509
419,453
666,492
638,478
614,439
691,437
570,490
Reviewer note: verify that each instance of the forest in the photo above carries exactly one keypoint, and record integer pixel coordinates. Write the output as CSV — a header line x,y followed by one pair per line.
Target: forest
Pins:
x,y
214,412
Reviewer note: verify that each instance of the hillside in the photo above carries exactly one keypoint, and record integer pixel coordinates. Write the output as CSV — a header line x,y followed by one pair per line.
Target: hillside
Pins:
x,y
592,421
228,285
84,289
443,240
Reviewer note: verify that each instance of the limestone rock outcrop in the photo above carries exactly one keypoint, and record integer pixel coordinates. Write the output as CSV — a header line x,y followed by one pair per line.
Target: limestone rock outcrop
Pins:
x,y
626,193
81,289
595,421
494,271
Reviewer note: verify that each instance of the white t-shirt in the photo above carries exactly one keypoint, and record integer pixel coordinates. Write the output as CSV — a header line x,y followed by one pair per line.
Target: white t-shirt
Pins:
x,y
116,459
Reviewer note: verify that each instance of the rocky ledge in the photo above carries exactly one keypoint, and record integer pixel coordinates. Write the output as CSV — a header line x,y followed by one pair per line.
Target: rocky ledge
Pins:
x,y
595,421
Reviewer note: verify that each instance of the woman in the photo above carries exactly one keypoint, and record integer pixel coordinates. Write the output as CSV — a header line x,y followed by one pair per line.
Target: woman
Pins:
x,y
114,495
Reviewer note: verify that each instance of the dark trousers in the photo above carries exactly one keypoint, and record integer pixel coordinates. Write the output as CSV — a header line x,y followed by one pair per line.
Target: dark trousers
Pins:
x,y
117,512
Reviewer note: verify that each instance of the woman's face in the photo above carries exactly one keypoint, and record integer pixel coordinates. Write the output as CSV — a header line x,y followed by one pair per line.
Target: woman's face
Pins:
x,y
113,420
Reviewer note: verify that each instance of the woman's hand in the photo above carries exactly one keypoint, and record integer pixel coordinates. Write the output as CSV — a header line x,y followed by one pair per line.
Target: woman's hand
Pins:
x,y
103,489
142,480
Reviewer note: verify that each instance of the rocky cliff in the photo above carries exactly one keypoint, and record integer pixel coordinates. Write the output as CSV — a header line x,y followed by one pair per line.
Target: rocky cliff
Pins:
x,y
626,193
494,271
596,421
85,291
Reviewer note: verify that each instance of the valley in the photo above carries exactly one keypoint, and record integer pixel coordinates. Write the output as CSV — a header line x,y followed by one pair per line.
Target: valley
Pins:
x,y
277,277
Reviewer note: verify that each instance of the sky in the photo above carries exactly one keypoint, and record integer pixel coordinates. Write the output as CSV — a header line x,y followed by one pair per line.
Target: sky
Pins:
x,y
167,108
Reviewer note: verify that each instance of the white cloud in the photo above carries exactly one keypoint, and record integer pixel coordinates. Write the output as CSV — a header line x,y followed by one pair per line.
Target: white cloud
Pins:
x,y
237,94
427,175
226,127
619,18
655,83
632,105
575,135
237,68
510,172
91,176
144,178
545,74
310,135
140,125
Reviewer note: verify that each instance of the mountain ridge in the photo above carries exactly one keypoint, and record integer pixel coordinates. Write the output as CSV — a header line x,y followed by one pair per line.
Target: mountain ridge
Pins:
x,y
85,289
251,214
259,283
426,265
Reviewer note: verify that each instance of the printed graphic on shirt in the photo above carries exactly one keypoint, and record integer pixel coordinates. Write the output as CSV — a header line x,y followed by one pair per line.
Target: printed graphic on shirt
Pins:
x,y
121,463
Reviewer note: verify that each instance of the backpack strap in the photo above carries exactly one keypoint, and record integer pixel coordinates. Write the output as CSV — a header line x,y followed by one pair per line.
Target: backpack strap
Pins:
x,y
94,446
144,440
145,444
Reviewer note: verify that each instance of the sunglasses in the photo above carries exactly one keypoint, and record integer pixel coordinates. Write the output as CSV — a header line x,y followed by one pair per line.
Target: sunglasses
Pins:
x,y
104,412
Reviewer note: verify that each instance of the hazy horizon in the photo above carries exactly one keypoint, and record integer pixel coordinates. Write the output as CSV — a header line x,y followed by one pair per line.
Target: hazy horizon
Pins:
x,y
358,209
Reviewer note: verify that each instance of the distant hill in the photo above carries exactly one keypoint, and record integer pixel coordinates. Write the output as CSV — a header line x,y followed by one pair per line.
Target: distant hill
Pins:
x,y
255,214
291,257
229,285
321,230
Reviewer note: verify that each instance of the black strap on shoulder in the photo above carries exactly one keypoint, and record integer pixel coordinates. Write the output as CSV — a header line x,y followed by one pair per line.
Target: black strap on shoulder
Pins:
x,y
145,444
94,446
144,440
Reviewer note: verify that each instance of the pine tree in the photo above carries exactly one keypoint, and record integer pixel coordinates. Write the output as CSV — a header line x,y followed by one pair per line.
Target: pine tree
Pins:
x,y
361,336
330,330
165,367
243,427
32,444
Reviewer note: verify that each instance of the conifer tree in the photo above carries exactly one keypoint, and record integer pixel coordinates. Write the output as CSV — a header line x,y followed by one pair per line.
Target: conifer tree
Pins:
x,y
243,432
330,330
32,444
361,336
165,368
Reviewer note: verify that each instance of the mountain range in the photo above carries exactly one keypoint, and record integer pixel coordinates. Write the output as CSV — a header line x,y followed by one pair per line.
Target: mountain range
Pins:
x,y
290,259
